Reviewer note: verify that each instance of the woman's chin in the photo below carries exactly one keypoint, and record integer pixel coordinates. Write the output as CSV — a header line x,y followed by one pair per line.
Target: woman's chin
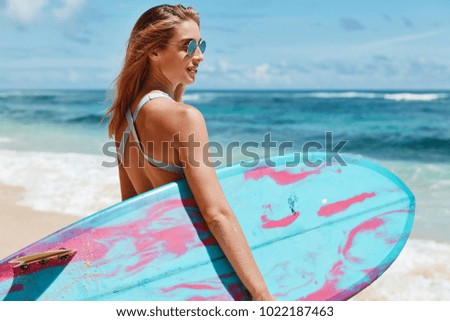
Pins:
x,y
189,81
190,76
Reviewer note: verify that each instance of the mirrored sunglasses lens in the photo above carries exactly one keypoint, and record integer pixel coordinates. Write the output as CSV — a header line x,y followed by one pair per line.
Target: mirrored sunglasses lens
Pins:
x,y
202,46
191,47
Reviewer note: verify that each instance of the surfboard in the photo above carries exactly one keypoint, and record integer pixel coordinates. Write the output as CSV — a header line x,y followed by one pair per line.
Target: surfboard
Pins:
x,y
322,232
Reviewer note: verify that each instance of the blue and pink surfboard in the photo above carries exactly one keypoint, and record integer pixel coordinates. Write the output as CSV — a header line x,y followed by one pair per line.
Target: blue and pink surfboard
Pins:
x,y
317,233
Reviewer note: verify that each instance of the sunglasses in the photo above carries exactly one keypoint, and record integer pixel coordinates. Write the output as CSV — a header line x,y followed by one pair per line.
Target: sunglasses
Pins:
x,y
192,46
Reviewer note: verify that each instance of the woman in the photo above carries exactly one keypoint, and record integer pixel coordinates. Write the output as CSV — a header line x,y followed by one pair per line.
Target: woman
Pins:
x,y
150,123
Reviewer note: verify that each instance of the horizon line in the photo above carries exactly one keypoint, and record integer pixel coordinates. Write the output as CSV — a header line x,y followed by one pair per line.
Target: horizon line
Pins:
x,y
249,89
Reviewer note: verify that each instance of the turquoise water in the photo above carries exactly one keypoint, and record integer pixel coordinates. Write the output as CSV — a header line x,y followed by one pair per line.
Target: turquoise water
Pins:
x,y
402,125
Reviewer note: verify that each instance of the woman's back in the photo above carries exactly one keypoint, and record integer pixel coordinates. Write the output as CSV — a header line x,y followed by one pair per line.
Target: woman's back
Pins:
x,y
154,123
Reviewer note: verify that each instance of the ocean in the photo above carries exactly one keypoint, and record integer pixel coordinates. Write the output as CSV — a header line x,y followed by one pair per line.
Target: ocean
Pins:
x,y
52,145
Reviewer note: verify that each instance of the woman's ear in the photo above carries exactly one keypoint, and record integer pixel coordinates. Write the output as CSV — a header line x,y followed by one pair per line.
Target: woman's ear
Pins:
x,y
154,55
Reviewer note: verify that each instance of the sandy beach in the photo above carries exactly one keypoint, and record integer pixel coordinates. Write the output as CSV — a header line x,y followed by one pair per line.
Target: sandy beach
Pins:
x,y
21,225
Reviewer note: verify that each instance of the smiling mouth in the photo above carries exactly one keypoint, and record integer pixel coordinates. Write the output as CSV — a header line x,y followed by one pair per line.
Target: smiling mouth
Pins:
x,y
194,70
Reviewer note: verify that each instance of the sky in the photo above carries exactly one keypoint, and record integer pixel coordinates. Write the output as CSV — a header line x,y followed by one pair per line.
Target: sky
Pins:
x,y
251,44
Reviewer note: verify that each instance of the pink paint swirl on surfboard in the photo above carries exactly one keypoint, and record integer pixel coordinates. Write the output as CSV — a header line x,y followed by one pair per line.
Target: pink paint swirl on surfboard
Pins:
x,y
189,286
306,278
235,291
149,243
6,272
283,177
286,221
340,206
328,289
368,226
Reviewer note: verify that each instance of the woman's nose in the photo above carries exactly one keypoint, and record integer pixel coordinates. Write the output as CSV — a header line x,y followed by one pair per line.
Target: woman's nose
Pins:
x,y
198,55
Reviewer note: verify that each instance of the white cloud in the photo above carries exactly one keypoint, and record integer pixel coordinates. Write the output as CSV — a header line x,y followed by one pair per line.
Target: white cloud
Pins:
x,y
69,9
232,75
24,11
27,11
261,73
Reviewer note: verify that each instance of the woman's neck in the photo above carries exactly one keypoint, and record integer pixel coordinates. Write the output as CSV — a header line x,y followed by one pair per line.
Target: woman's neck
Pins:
x,y
160,83
148,89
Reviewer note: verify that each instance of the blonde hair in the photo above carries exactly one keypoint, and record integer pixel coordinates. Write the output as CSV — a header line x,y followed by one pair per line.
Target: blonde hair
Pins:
x,y
151,32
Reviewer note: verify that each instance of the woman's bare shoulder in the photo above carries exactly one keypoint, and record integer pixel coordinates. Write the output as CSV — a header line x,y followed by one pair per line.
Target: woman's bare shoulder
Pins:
x,y
161,107
171,116
190,112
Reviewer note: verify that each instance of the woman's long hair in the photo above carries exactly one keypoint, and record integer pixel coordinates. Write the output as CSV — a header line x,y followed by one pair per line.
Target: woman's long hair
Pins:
x,y
152,30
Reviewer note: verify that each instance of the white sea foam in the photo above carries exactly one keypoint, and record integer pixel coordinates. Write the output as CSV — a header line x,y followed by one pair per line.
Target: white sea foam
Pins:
x,y
27,93
374,95
421,272
68,183
414,97
191,97
349,94
202,97
8,94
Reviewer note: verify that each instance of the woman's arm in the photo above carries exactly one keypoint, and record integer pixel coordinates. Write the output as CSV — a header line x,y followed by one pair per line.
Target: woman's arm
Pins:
x,y
126,187
216,211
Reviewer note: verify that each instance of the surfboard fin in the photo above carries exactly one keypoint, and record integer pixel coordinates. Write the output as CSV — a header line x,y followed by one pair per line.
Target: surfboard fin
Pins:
x,y
42,258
